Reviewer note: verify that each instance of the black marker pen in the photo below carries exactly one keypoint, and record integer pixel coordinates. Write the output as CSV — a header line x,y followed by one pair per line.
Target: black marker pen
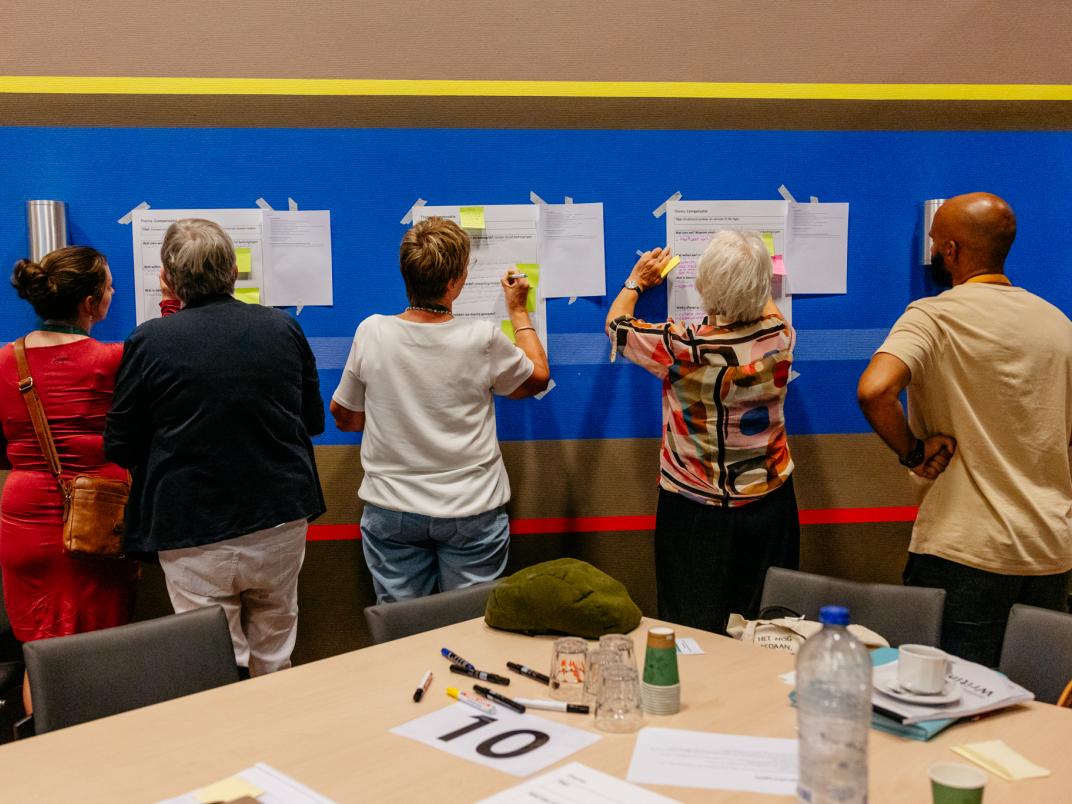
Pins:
x,y
528,671
491,695
479,674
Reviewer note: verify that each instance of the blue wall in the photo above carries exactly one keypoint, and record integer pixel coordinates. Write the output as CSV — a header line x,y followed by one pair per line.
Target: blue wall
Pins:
x,y
369,178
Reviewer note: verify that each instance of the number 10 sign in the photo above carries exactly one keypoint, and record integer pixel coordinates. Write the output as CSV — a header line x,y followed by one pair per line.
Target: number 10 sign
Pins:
x,y
513,743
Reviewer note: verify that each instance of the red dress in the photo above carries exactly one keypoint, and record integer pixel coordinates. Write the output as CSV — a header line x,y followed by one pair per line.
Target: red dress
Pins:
x,y
47,591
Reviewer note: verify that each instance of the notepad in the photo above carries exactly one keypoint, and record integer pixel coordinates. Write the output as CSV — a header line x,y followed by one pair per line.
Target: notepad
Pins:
x,y
999,759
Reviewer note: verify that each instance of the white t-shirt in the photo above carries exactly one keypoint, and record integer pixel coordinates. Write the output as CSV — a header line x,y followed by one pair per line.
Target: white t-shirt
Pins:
x,y
992,366
430,445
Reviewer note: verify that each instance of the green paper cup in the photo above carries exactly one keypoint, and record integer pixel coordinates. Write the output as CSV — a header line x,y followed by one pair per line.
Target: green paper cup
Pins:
x,y
660,661
956,783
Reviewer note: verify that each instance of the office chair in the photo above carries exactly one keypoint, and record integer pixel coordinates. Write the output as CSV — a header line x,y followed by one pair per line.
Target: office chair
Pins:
x,y
11,671
88,676
901,614
1037,651
387,621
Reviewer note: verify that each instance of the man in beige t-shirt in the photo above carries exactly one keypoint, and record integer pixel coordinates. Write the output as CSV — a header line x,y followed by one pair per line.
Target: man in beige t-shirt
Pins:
x,y
988,368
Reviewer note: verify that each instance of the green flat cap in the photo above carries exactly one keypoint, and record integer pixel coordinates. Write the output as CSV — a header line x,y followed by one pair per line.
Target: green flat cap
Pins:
x,y
564,596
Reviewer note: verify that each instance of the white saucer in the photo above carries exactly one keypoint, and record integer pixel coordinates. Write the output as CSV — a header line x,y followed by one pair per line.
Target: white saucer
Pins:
x,y
949,695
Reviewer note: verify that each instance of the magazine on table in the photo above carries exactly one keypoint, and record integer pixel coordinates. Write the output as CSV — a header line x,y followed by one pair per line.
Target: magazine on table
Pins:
x,y
970,689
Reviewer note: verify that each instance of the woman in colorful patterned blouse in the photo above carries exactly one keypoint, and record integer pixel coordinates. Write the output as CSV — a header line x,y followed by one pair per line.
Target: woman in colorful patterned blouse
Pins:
x,y
726,511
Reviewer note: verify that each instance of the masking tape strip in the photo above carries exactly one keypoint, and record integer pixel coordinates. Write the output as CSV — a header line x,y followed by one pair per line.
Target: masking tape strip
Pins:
x,y
408,217
292,205
783,191
130,215
260,202
660,210
535,199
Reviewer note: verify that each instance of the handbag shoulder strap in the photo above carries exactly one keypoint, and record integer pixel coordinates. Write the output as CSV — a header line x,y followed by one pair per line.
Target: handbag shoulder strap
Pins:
x,y
37,413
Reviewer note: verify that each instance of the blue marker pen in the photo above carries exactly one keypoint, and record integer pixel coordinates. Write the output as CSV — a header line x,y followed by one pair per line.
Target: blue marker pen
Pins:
x,y
456,659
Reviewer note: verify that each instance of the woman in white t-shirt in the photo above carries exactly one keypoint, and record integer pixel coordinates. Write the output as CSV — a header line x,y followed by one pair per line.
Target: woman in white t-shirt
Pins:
x,y
419,385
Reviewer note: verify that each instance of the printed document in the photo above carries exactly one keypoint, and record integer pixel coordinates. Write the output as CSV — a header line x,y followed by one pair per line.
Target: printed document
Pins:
x,y
509,238
576,784
690,225
715,761
571,250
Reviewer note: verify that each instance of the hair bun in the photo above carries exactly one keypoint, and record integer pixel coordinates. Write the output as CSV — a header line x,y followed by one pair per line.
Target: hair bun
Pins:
x,y
29,280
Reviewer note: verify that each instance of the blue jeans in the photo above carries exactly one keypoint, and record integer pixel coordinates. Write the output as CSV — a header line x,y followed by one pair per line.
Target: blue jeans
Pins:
x,y
409,555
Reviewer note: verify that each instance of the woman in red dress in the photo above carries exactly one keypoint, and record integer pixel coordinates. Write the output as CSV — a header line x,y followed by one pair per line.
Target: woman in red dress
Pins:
x,y
47,591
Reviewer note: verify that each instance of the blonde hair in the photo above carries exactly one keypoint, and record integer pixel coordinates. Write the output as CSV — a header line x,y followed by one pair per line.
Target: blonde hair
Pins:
x,y
433,254
733,275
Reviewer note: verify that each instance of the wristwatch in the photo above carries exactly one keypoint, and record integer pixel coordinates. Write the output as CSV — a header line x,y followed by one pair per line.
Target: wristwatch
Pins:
x,y
914,457
632,284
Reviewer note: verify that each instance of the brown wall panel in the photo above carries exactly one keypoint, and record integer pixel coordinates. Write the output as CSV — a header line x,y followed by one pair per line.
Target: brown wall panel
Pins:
x,y
258,111
918,41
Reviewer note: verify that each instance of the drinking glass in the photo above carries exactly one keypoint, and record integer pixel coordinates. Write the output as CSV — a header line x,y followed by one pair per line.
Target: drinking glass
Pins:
x,y
622,644
618,702
598,659
568,666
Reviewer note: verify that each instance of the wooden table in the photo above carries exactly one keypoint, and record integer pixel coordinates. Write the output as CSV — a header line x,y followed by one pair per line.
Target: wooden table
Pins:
x,y
326,724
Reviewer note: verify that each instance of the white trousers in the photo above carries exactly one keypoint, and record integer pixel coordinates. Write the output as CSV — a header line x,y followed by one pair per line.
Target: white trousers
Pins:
x,y
255,579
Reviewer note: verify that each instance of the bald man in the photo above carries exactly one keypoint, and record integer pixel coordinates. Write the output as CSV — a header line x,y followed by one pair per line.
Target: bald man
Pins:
x,y
988,368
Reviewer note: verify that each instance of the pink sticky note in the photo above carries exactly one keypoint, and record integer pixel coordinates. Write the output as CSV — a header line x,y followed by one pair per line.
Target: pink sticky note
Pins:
x,y
779,264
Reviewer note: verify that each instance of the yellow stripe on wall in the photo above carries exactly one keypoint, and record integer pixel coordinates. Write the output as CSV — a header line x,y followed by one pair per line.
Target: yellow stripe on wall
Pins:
x,y
89,85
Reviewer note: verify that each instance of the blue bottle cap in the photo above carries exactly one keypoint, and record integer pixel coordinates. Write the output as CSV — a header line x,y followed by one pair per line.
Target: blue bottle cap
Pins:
x,y
834,615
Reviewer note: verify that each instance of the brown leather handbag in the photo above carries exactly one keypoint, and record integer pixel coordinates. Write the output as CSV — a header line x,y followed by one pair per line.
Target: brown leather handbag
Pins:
x,y
93,507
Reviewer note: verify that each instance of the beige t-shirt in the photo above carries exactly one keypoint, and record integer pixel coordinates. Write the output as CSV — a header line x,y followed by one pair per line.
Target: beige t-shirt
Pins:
x,y
992,366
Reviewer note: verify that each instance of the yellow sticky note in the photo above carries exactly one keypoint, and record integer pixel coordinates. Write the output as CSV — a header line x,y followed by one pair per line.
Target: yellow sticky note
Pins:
x,y
227,790
248,295
768,241
508,330
531,271
244,259
670,266
473,218
999,759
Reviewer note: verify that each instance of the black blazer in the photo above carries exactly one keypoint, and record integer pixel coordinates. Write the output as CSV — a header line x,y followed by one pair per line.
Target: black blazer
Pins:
x,y
213,412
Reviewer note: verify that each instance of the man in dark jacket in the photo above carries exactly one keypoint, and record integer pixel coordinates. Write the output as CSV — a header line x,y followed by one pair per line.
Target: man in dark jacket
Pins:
x,y
213,411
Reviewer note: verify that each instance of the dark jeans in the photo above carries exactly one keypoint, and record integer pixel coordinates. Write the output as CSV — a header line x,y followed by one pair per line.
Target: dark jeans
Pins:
x,y
977,602
710,561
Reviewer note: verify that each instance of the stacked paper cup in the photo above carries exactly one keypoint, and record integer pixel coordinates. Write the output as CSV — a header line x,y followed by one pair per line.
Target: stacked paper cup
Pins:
x,y
660,690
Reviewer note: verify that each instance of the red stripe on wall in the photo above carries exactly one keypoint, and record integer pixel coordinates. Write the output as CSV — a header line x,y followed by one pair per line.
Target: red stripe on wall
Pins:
x,y
605,524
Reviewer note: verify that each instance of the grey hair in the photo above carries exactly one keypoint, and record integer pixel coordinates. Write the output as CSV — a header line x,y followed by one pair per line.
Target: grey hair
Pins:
x,y
198,259
733,275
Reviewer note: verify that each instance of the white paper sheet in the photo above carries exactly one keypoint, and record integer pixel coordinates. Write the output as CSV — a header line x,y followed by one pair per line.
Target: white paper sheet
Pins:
x,y
715,761
576,784
297,258
513,743
277,787
817,247
509,237
689,228
572,260
148,227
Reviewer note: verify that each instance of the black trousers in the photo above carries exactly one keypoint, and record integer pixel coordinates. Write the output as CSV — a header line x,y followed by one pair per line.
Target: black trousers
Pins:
x,y
977,602
710,561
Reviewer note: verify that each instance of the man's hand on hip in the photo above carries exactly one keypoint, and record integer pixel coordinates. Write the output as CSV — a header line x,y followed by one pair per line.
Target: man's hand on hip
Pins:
x,y
937,452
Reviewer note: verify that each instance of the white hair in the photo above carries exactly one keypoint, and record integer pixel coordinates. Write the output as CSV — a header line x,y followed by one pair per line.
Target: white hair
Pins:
x,y
733,276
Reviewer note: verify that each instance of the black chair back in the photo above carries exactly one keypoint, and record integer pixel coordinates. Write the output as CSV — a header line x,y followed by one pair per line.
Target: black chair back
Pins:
x,y
387,621
901,614
1037,651
88,676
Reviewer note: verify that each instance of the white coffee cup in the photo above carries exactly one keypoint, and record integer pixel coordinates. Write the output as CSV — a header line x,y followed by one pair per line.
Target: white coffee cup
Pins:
x,y
922,669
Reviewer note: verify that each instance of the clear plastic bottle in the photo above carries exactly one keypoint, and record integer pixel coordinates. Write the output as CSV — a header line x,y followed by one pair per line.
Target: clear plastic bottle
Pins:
x,y
833,713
